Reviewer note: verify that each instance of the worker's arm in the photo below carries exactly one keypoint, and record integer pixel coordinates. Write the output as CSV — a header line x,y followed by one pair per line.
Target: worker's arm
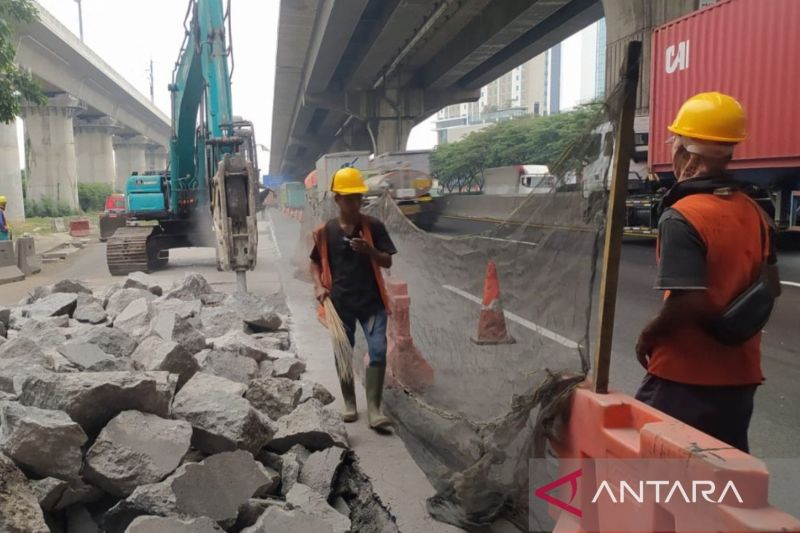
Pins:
x,y
681,308
320,292
382,251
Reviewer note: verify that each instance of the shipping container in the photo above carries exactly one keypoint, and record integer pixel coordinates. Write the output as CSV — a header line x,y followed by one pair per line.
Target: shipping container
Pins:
x,y
745,48
748,49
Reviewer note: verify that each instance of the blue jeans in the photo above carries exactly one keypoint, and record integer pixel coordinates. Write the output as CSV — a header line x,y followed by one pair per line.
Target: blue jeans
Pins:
x,y
374,328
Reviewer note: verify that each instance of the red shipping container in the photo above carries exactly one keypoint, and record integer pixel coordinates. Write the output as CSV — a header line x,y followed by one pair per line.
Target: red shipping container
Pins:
x,y
746,48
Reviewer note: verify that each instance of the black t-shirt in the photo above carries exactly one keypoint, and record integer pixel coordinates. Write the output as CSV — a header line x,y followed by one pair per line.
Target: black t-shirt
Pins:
x,y
355,289
683,254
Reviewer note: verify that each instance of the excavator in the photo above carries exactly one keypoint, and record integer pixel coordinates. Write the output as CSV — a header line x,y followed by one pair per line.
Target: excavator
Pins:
x,y
208,195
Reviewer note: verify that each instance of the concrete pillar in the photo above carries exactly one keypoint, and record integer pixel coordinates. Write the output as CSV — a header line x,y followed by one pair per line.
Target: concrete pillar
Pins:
x,y
629,20
156,157
50,139
129,156
10,173
94,150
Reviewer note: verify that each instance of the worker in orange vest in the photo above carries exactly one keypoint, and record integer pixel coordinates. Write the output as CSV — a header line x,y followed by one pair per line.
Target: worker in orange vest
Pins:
x,y
718,267
349,252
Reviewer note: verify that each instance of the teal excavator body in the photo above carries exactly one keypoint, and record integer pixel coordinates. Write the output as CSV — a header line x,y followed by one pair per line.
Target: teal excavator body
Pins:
x,y
207,196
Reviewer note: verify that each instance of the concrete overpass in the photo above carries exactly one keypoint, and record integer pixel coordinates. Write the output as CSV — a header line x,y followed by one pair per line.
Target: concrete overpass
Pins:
x,y
96,127
359,74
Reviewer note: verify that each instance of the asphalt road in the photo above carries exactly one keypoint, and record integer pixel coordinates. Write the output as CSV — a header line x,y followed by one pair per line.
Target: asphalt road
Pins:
x,y
775,428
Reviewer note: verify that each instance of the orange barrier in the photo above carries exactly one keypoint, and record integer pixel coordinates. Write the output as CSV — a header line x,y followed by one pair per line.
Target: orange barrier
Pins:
x,y
492,322
614,426
79,227
404,361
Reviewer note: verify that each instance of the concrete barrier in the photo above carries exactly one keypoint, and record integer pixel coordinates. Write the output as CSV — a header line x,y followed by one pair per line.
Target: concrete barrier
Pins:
x,y
9,271
59,226
27,260
79,227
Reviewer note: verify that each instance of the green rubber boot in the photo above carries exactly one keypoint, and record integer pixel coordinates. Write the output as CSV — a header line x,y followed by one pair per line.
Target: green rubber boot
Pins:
x,y
350,412
374,386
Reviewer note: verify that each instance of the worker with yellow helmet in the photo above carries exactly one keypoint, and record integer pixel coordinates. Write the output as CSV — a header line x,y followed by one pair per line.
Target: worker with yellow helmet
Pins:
x,y
718,268
349,252
5,228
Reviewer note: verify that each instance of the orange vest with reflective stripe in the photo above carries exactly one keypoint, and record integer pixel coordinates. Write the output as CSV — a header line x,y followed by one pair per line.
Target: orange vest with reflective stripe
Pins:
x,y
321,241
731,228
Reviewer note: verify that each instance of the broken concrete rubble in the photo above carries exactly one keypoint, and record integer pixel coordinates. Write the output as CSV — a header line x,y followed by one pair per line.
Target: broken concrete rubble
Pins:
x,y
159,524
71,286
46,442
311,424
275,397
222,419
140,280
311,389
170,326
286,367
136,449
92,399
57,304
110,340
215,488
277,520
319,470
311,503
45,333
241,343
91,313
192,287
19,508
135,318
155,353
56,494
90,358
227,365
122,298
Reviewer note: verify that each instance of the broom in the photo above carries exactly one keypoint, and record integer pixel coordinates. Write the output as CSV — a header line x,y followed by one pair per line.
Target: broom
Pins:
x,y
341,345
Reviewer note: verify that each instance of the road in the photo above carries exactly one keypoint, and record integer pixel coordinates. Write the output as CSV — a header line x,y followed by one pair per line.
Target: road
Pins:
x,y
775,429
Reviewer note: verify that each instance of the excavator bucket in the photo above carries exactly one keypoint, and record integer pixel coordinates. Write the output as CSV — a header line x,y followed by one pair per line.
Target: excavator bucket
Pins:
x,y
235,192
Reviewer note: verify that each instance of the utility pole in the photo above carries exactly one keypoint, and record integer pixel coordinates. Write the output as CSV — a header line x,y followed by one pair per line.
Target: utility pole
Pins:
x,y
80,17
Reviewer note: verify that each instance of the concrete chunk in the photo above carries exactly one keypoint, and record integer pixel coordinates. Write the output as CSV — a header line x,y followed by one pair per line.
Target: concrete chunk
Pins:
x,y
181,308
320,468
311,424
135,318
291,368
160,524
315,390
140,280
122,298
275,397
278,520
222,419
227,365
56,494
191,287
91,313
240,343
57,304
218,321
19,508
154,353
44,333
171,326
110,340
92,399
22,347
262,322
90,358
71,286
215,488
309,502
45,441
136,449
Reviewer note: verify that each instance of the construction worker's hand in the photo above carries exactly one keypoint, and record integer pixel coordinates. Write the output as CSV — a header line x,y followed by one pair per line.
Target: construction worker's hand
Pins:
x,y
361,246
643,348
321,294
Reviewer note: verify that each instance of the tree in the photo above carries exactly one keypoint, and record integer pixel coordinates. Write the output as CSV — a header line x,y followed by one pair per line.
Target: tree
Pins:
x,y
17,85
529,140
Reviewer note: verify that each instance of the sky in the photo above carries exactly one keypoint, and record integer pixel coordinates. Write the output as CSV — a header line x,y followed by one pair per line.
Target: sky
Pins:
x,y
128,33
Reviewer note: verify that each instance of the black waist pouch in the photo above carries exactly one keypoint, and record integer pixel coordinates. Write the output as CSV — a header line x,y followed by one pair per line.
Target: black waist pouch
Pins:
x,y
746,315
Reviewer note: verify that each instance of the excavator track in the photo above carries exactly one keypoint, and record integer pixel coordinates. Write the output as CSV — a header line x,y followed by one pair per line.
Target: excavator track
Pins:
x,y
127,251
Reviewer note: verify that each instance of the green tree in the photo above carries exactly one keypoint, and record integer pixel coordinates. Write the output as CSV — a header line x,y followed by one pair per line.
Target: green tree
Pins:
x,y
525,140
17,86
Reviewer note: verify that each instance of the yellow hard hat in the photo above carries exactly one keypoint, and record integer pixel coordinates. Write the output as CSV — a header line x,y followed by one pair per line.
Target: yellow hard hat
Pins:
x,y
348,180
3,200
711,117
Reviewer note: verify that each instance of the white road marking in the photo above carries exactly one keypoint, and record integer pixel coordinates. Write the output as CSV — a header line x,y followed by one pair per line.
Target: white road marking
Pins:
x,y
507,240
544,332
272,234
790,283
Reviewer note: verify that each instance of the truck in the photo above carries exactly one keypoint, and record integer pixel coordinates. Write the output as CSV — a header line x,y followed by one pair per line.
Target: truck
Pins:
x,y
738,47
405,176
209,193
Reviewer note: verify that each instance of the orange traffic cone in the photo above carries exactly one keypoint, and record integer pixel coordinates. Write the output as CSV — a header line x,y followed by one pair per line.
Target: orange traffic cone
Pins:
x,y
492,323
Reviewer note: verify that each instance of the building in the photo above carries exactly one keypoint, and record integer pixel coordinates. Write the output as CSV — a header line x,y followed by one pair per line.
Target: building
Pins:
x,y
600,78
522,91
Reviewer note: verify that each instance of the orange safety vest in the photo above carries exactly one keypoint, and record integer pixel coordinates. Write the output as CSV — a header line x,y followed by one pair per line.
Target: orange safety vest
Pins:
x,y
733,231
321,241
